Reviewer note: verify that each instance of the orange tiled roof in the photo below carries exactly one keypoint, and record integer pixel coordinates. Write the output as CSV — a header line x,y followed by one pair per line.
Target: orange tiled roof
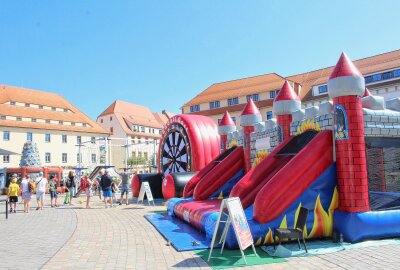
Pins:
x,y
135,114
161,118
24,95
241,87
366,66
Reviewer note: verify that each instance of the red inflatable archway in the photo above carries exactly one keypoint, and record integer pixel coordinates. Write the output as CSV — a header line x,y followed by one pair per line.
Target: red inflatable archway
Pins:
x,y
188,143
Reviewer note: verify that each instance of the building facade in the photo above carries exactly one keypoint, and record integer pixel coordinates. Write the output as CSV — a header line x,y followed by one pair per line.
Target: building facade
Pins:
x,y
135,134
64,136
381,73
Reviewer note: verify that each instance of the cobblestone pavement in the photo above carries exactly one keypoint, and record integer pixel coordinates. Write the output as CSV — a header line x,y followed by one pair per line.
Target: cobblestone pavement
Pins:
x,y
121,238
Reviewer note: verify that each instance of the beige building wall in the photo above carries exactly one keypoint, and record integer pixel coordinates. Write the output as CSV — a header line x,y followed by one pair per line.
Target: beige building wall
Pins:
x,y
18,136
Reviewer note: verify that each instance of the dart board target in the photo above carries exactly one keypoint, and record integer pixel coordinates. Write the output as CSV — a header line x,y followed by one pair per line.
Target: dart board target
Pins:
x,y
188,143
175,150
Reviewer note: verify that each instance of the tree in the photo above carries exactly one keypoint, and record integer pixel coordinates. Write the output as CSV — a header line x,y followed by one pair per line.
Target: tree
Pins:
x,y
136,161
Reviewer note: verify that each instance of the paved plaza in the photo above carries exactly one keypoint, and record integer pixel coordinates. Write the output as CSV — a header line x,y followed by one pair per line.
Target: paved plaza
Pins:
x,y
121,238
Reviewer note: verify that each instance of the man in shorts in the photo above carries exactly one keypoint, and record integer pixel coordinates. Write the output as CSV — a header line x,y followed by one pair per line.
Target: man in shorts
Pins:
x,y
124,187
106,187
41,186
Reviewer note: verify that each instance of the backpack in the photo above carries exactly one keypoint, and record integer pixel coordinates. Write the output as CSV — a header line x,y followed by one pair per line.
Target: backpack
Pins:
x,y
84,184
30,187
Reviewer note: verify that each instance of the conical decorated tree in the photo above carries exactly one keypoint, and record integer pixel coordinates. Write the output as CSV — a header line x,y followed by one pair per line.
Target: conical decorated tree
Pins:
x,y
30,155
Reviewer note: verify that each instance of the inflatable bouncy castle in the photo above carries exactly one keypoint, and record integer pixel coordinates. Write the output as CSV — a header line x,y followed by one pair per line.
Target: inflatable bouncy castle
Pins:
x,y
340,160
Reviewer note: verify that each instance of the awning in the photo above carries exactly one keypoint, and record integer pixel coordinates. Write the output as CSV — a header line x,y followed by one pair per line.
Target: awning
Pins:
x,y
4,152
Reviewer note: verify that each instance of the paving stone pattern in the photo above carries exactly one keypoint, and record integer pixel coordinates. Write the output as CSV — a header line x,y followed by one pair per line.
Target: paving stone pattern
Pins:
x,y
121,238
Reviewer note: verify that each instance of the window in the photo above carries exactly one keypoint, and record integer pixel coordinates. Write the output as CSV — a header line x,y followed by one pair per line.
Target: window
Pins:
x,y
219,121
64,158
377,77
53,108
78,158
47,121
101,120
47,157
191,108
33,120
160,131
396,73
29,136
65,110
255,97
212,105
387,75
78,139
84,124
64,138
27,105
248,97
235,100
6,135
2,117
145,154
61,122
142,129
234,119
269,115
111,129
217,104
47,137
6,158
322,89
93,140
40,106
197,108
12,102
110,118
72,123
272,94
230,102
368,79
94,158
19,118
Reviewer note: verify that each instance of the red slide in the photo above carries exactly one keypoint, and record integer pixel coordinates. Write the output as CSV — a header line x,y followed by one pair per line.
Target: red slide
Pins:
x,y
257,177
215,174
294,178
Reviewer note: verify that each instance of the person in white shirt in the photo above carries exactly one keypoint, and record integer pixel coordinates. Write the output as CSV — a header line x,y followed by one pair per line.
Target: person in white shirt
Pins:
x,y
26,193
41,186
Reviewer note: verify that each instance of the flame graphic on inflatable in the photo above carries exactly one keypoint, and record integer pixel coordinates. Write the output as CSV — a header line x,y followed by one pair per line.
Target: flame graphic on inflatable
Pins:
x,y
233,143
323,221
308,124
259,157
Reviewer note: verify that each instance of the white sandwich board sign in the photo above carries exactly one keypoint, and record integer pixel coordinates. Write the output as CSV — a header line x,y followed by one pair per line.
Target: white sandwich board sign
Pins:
x,y
145,189
232,209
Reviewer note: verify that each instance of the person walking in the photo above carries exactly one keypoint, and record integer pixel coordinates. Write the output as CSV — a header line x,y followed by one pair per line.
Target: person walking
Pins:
x,y
105,183
86,186
41,186
27,189
53,191
71,185
98,181
124,187
13,192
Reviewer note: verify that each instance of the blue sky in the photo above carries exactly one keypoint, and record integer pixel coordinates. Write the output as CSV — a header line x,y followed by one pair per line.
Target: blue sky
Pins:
x,y
163,53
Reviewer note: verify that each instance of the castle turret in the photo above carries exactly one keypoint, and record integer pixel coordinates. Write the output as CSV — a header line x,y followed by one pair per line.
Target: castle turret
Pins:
x,y
248,119
346,87
225,127
285,103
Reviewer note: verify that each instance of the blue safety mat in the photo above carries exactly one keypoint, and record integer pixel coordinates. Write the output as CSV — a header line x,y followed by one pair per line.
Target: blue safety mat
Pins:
x,y
181,235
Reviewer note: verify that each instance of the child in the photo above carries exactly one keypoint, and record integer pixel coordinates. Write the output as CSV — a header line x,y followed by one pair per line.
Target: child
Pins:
x,y
86,186
13,191
114,189
53,191
67,198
